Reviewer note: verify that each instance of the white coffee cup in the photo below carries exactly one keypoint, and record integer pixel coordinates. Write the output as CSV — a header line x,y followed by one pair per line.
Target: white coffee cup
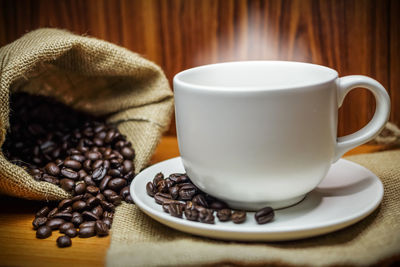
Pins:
x,y
263,133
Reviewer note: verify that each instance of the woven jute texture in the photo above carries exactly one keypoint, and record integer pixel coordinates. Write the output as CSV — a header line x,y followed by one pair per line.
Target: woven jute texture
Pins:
x,y
137,240
89,75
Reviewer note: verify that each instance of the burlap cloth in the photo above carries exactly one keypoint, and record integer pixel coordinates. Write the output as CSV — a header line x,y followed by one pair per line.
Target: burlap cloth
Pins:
x,y
89,75
138,240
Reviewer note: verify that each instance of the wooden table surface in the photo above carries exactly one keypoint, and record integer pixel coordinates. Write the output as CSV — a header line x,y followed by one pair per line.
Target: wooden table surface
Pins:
x,y
19,246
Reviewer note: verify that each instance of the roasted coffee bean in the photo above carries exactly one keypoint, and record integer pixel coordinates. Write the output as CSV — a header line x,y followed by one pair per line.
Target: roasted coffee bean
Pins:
x,y
91,189
52,212
151,189
79,158
162,186
264,215
55,223
98,211
86,232
87,165
76,198
114,172
101,228
191,215
189,205
67,184
97,164
128,152
67,209
64,203
92,155
206,216
108,222
43,232
86,196
218,205
162,198
87,215
115,199
179,178
65,226
127,166
175,209
69,173
238,216
200,200
124,192
224,215
50,179
39,221
43,212
158,177
71,232
64,241
87,224
116,184
187,192
129,199
93,202
99,173
89,181
63,215
77,220
107,206
107,193
165,207
82,174
169,183
80,188
52,169
79,205
100,196
73,164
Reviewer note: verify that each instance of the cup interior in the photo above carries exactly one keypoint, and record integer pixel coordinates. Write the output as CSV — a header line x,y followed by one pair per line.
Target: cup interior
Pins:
x,y
257,75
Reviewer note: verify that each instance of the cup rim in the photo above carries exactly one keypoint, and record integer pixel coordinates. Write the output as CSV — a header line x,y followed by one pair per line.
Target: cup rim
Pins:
x,y
178,78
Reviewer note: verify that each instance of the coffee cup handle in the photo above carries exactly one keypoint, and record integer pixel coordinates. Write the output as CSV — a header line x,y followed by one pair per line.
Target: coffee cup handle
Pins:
x,y
375,125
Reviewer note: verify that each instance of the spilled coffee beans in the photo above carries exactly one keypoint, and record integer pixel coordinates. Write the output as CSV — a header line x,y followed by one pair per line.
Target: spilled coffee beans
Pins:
x,y
82,154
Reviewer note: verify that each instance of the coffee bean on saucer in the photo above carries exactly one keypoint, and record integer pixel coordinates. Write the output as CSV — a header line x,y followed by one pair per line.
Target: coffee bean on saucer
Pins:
x,y
224,215
157,178
151,189
187,192
238,216
206,216
264,215
175,209
64,241
43,232
191,215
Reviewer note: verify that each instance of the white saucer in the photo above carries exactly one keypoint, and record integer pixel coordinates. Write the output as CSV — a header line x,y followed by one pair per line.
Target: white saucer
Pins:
x,y
348,194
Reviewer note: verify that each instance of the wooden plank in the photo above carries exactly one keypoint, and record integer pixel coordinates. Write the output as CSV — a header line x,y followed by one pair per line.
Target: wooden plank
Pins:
x,y
352,36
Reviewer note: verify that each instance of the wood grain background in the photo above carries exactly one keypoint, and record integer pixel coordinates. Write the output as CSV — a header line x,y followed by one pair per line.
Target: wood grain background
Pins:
x,y
351,36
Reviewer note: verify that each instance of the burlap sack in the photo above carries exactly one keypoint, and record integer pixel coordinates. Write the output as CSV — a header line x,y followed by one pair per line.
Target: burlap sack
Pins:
x,y
89,75
137,240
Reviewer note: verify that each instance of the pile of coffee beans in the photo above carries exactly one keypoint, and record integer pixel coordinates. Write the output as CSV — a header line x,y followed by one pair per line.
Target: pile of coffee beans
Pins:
x,y
82,154
181,198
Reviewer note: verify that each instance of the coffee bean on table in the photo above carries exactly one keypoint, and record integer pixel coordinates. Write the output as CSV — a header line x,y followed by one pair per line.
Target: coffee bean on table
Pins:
x,y
90,216
238,216
71,232
65,226
43,232
52,212
86,232
64,203
101,228
77,220
43,212
55,223
39,221
63,215
224,215
264,215
64,241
